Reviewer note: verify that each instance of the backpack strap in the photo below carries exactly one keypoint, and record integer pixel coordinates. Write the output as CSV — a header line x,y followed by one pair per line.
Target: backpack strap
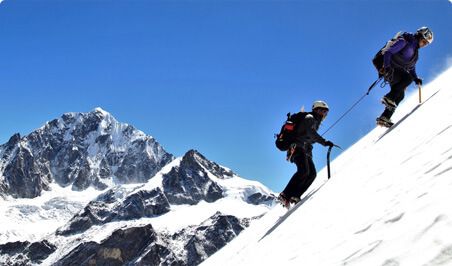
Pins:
x,y
399,35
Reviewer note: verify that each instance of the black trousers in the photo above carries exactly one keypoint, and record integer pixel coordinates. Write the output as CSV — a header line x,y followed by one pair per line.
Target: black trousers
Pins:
x,y
303,178
401,79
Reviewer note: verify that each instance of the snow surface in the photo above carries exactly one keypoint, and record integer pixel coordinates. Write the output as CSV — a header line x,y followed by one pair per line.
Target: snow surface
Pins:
x,y
30,219
387,203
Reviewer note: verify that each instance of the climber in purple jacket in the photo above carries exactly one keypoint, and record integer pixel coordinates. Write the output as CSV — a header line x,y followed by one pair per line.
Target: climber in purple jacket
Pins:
x,y
399,68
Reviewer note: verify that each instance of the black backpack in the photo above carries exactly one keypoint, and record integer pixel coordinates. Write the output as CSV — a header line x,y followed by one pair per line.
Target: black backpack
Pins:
x,y
378,59
288,132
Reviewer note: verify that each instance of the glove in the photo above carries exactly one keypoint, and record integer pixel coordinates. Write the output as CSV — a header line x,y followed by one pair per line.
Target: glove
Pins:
x,y
418,81
329,143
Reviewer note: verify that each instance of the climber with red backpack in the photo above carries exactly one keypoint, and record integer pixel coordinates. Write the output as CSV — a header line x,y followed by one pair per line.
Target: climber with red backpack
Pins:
x,y
296,137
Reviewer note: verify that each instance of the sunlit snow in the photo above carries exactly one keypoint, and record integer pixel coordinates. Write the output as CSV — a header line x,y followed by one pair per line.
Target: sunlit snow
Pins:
x,y
32,219
388,202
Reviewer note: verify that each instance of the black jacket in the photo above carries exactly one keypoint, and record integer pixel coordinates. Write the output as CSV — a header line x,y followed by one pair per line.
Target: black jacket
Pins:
x,y
307,133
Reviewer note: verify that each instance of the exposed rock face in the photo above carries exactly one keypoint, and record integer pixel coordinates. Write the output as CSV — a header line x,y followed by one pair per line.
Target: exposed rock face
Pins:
x,y
144,246
81,150
116,205
260,198
25,175
121,247
189,183
26,253
211,236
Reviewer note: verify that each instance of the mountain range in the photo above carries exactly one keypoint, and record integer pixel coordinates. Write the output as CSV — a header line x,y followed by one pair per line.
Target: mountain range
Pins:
x,y
85,189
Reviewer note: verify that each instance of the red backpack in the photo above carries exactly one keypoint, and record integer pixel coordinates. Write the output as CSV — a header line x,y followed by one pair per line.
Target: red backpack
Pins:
x,y
288,133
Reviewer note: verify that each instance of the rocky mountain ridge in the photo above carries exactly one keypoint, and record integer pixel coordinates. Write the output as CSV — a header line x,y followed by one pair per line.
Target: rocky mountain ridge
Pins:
x,y
150,209
79,150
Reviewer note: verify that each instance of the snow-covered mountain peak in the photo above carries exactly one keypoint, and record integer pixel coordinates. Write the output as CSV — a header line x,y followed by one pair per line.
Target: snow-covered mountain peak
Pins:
x,y
81,150
94,186
195,157
13,140
101,111
97,121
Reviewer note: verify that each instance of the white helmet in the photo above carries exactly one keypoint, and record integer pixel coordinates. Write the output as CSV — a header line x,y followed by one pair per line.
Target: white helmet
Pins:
x,y
426,34
320,104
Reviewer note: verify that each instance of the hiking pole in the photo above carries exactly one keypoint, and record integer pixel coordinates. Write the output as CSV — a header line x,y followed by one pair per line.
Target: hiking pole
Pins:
x,y
420,93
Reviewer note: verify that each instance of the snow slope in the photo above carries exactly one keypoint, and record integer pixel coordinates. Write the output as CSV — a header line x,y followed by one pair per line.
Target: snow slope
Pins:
x,y
26,219
388,202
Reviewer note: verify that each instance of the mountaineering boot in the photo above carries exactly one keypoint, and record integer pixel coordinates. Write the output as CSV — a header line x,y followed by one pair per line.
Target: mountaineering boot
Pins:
x,y
294,200
390,104
283,200
384,121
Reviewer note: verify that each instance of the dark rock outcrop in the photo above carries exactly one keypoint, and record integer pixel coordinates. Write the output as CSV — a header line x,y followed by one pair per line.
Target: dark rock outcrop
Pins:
x,y
189,183
158,254
25,175
112,206
214,168
259,198
211,236
25,253
144,246
123,247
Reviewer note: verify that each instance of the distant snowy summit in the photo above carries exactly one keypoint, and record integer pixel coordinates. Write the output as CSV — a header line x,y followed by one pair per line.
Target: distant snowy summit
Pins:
x,y
149,208
79,150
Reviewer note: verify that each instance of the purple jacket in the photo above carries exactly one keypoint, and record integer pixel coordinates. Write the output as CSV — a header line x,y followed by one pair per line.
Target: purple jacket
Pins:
x,y
403,53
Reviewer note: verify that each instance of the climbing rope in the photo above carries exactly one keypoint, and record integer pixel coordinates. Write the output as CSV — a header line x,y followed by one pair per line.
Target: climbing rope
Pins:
x,y
356,103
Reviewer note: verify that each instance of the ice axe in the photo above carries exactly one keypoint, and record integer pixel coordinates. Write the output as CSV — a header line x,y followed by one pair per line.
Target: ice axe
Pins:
x,y
328,158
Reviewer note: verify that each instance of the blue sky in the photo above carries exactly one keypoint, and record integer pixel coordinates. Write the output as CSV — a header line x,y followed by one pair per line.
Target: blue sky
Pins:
x,y
216,76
